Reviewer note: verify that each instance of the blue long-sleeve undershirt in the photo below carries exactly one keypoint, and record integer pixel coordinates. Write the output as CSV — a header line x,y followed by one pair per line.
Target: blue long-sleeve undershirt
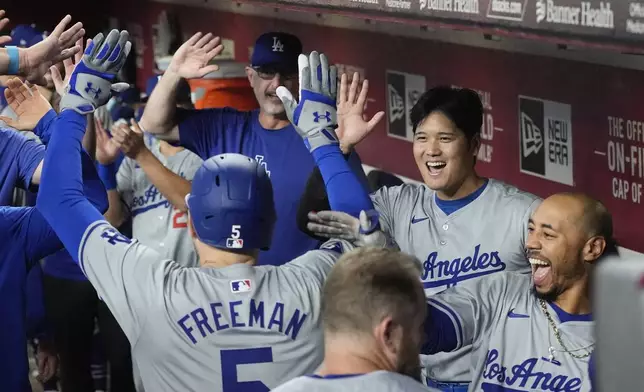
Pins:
x,y
62,199
344,190
440,332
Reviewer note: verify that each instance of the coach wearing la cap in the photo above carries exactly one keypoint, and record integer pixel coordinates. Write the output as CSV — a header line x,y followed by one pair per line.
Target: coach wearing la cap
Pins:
x,y
264,134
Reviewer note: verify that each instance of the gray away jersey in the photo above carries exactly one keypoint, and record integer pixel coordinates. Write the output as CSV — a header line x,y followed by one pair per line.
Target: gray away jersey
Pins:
x,y
380,381
486,236
155,222
203,329
511,337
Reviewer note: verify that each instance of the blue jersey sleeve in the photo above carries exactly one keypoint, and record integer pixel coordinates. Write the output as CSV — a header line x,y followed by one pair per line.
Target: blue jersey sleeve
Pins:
x,y
69,183
43,128
37,326
345,191
25,153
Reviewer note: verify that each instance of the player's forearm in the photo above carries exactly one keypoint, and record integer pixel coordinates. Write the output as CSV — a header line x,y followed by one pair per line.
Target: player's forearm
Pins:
x,y
159,114
115,213
62,196
344,190
171,185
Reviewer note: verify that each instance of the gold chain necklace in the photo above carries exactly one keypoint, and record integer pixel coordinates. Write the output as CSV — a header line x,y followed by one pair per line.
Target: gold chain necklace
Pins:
x,y
558,337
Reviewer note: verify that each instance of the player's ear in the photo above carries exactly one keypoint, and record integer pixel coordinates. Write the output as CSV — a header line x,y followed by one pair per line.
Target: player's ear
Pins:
x,y
249,74
594,248
389,336
475,144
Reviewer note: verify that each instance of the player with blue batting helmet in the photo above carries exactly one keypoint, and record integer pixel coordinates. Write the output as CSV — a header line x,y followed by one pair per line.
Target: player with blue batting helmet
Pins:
x,y
231,203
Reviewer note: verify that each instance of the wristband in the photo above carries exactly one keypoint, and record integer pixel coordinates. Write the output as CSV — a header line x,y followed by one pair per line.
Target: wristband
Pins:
x,y
14,60
107,174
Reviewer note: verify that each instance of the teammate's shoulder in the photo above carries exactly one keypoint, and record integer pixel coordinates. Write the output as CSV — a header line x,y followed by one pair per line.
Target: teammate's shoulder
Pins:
x,y
511,194
404,190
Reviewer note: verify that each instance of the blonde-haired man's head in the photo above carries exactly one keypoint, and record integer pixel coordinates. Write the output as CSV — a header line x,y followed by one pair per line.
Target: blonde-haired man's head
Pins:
x,y
373,308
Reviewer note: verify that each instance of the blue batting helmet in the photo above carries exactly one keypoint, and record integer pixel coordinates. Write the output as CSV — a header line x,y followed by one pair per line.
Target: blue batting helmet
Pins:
x,y
231,203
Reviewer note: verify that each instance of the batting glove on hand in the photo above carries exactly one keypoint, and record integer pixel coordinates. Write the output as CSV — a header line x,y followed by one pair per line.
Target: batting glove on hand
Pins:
x,y
314,117
90,85
362,232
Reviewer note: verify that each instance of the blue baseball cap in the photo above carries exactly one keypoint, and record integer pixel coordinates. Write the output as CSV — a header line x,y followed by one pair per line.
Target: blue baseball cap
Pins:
x,y
276,52
24,36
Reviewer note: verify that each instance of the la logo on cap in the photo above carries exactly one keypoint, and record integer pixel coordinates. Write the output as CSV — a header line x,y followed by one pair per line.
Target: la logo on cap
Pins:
x,y
277,45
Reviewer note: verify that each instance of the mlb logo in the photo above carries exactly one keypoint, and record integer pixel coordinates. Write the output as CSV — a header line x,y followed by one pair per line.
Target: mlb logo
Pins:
x,y
234,243
240,286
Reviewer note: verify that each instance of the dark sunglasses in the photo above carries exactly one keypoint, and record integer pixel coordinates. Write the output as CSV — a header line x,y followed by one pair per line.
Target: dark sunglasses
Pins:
x,y
269,74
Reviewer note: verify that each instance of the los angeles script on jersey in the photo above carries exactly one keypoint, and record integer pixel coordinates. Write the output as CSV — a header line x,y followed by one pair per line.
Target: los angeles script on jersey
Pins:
x,y
437,272
150,199
525,377
248,313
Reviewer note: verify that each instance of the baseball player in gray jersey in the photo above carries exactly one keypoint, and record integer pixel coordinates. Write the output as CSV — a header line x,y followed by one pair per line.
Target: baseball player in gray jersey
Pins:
x,y
227,326
531,333
373,310
461,226
151,182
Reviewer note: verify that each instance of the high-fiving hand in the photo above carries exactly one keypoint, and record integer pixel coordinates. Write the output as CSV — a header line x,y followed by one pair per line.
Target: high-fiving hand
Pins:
x,y
106,149
28,104
315,115
90,85
362,231
69,64
352,126
129,139
58,46
192,59
5,39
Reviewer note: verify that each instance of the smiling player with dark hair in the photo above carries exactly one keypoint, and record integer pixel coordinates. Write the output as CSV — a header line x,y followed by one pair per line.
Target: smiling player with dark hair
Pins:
x,y
461,226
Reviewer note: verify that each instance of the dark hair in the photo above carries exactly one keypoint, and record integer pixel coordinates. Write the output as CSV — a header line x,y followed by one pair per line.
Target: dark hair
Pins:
x,y
461,105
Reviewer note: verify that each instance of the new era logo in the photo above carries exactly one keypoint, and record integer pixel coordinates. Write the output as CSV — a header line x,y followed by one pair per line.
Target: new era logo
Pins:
x,y
532,136
240,286
396,104
234,243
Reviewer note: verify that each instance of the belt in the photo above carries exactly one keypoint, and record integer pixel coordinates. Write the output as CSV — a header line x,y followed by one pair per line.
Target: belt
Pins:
x,y
448,386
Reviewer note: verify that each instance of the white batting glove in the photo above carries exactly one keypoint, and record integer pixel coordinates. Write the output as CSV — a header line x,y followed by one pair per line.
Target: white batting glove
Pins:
x,y
362,232
315,116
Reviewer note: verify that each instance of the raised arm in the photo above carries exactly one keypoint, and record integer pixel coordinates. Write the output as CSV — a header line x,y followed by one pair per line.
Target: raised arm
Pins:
x,y
62,199
32,63
125,274
171,185
315,119
189,61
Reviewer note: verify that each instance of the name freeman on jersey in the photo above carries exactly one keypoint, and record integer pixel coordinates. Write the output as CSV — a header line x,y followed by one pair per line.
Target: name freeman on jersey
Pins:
x,y
437,273
525,376
222,316
584,15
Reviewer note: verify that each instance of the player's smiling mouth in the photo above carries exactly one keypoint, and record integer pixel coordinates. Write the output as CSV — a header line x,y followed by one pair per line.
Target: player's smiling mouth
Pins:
x,y
435,168
541,270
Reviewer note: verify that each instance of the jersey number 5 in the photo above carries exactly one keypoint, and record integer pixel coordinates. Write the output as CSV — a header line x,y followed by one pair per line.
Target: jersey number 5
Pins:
x,y
229,361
